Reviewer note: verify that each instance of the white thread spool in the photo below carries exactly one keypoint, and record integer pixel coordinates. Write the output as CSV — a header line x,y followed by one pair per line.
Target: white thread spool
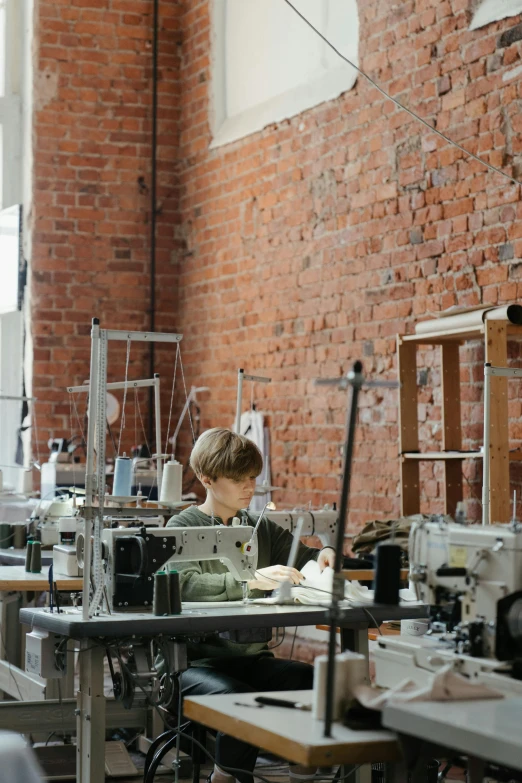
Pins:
x,y
350,670
171,483
122,485
26,481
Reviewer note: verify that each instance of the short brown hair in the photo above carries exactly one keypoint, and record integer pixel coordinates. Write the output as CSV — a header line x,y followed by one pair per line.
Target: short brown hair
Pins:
x,y
221,453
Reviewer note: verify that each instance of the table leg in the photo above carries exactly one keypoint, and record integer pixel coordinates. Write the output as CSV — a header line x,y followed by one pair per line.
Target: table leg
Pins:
x,y
476,769
356,639
90,753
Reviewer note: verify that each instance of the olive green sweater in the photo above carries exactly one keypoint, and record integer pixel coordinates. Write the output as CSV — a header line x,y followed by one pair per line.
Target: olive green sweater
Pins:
x,y
210,580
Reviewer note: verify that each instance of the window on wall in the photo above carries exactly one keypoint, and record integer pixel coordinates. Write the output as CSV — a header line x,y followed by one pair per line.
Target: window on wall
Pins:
x,y
11,60
268,65
487,11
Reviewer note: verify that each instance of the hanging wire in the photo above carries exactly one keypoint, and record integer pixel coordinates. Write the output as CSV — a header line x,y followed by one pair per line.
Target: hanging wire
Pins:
x,y
401,105
72,436
35,428
122,426
172,396
186,396
153,484
80,425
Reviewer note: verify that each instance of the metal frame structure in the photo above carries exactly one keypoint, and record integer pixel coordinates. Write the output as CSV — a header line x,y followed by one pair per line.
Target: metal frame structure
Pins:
x,y
140,384
95,474
241,377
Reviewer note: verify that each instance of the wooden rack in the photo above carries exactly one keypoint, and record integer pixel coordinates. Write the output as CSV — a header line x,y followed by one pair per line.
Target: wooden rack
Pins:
x,y
495,334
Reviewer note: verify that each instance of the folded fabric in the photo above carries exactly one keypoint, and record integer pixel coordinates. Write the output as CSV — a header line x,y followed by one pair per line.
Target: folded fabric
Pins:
x,y
444,685
316,589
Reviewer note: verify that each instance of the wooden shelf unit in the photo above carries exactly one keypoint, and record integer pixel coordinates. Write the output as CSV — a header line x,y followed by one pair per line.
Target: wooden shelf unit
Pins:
x,y
495,334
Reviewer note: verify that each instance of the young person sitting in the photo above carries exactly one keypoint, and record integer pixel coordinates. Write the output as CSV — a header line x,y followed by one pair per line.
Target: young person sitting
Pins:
x,y
227,465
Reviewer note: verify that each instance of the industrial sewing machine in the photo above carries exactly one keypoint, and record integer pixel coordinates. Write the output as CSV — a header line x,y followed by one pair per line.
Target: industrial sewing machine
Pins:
x,y
471,577
47,514
322,523
134,555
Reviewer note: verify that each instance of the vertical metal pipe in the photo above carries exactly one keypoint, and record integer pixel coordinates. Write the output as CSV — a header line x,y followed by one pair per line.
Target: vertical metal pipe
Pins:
x,y
157,412
89,468
356,380
153,202
486,444
239,400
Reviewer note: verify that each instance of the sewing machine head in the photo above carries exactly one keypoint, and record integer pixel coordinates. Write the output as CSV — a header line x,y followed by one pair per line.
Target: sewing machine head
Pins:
x,y
48,513
133,556
463,572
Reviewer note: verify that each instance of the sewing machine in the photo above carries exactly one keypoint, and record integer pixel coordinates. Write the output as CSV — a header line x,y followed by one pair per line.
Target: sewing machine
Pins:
x,y
133,555
47,514
471,576
322,523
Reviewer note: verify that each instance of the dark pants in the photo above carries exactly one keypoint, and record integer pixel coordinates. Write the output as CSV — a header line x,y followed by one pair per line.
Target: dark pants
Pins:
x,y
244,675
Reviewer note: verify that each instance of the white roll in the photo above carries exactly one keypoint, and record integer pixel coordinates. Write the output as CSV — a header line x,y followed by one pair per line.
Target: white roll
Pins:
x,y
171,483
351,669
414,627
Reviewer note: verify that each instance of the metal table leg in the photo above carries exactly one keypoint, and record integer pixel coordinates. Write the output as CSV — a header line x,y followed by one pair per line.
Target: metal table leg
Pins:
x,y
356,639
90,753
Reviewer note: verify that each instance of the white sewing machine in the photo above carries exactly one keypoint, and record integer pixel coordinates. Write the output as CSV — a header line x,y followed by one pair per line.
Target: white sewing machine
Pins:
x,y
322,523
462,572
46,515
133,555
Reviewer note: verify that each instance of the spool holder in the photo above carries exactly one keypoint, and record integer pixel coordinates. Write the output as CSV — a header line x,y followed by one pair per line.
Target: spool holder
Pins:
x,y
95,479
354,380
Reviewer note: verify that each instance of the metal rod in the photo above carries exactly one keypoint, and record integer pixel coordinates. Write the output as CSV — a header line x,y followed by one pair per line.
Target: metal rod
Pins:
x,y
355,379
153,198
157,416
144,337
20,399
257,378
89,467
486,444
116,385
239,400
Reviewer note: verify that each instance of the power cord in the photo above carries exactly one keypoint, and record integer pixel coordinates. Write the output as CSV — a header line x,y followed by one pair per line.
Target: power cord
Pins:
x,y
399,104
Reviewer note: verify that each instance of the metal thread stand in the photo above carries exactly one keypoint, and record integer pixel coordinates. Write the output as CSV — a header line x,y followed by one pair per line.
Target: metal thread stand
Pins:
x,y
355,380
95,475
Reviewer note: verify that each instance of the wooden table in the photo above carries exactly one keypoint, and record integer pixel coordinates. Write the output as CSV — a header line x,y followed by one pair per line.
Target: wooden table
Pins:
x,y
15,581
291,734
368,574
17,578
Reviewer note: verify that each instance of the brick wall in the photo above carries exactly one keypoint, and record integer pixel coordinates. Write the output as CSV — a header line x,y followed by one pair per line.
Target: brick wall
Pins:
x,y
316,241
293,251
91,207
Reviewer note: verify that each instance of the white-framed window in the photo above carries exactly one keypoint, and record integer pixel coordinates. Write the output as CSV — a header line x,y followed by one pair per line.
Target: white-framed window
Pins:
x,y
12,35
11,259
487,11
268,65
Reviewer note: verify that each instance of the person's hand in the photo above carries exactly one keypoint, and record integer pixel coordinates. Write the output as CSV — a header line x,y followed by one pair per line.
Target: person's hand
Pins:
x,y
269,578
326,558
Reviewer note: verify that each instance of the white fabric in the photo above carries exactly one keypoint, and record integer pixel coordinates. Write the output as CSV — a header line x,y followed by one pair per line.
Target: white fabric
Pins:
x,y
252,426
17,761
316,589
445,685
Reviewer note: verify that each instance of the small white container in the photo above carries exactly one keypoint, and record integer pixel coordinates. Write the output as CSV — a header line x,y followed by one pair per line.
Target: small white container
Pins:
x,y
414,627
351,669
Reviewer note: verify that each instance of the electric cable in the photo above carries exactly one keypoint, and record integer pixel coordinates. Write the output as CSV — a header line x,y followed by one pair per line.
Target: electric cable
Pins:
x,y
400,105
